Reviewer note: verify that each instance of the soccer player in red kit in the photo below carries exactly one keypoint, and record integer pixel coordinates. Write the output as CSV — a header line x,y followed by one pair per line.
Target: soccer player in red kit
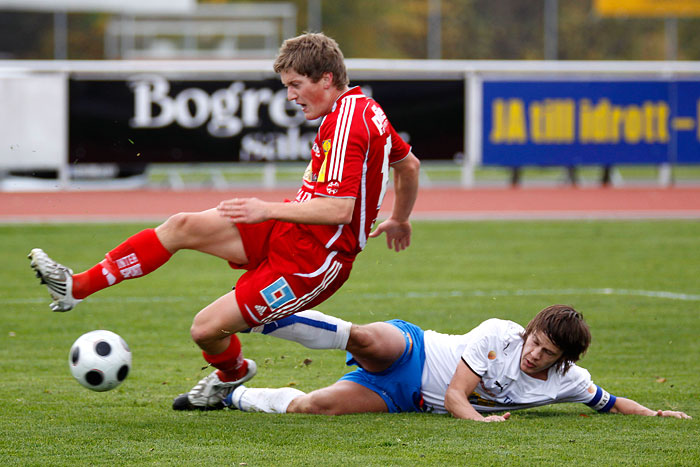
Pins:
x,y
296,254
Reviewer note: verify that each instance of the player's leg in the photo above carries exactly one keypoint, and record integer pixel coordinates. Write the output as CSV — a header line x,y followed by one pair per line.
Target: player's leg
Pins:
x,y
262,295
213,329
268,400
219,320
204,231
343,397
310,328
149,249
376,346
141,254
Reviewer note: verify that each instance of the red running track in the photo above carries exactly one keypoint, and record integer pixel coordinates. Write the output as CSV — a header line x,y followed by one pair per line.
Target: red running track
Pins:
x,y
432,203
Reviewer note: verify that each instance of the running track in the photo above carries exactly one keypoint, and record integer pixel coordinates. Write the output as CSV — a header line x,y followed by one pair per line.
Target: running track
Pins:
x,y
432,203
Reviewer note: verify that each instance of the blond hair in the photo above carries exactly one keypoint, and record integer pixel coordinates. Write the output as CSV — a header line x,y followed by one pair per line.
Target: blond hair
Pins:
x,y
312,55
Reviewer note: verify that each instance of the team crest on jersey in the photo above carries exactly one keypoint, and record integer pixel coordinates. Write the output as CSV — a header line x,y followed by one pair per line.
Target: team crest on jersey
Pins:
x,y
315,151
326,146
332,188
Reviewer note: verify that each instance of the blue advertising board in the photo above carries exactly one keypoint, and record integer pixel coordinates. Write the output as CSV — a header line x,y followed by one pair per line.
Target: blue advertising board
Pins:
x,y
571,123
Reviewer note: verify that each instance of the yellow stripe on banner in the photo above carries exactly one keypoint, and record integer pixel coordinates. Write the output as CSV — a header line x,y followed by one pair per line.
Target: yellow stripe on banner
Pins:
x,y
648,8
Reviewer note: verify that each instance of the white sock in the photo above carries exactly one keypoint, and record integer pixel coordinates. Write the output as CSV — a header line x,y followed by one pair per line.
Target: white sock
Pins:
x,y
268,400
311,329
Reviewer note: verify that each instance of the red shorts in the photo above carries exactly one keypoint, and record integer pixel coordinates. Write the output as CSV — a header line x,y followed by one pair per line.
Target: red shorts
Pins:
x,y
288,271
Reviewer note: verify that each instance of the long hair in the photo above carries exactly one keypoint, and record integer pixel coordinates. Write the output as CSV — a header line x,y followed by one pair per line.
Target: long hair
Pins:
x,y
566,328
312,55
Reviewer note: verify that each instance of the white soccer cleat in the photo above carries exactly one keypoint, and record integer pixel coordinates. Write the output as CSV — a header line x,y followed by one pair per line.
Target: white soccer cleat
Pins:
x,y
210,392
58,279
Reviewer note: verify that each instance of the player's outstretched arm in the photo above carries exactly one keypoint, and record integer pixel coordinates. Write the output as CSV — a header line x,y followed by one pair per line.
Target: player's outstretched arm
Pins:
x,y
457,403
398,226
630,407
320,210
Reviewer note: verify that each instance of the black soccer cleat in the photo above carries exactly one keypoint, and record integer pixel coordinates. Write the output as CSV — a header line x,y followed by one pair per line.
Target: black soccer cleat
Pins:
x,y
182,402
210,392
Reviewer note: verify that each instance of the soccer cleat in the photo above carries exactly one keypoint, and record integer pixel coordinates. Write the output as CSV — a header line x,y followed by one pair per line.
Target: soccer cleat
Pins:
x,y
58,279
210,392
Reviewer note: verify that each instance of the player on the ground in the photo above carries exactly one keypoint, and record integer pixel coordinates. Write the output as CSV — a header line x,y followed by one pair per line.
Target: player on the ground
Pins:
x,y
296,254
496,367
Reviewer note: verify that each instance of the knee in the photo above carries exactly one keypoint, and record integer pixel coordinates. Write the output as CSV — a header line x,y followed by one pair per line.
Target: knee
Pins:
x,y
185,228
316,403
203,335
177,225
361,337
198,334
364,340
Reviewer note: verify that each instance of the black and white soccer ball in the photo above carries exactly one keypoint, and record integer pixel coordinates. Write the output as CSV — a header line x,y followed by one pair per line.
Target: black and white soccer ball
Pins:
x,y
100,360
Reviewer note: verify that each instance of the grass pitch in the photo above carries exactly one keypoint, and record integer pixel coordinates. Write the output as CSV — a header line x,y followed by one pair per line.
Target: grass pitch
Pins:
x,y
636,283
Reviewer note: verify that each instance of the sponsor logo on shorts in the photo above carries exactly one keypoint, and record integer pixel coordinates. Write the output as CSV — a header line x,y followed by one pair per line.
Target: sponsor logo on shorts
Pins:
x,y
277,294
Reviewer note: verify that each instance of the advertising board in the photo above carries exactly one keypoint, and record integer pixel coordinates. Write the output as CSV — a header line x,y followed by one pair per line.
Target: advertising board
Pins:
x,y
150,118
590,122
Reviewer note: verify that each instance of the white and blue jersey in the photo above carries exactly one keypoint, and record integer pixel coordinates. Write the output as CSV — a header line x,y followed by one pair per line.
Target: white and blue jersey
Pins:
x,y
419,379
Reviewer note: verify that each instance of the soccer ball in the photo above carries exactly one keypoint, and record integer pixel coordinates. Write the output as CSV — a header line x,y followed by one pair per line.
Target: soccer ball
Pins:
x,y
100,360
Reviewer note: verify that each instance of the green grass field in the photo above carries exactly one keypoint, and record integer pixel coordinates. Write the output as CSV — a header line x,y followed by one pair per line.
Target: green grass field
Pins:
x,y
432,173
636,282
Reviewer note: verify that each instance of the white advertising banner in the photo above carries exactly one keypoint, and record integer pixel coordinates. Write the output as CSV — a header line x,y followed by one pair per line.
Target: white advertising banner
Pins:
x,y
33,126
111,6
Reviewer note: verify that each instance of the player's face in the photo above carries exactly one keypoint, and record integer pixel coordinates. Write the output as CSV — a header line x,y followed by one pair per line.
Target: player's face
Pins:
x,y
539,353
315,99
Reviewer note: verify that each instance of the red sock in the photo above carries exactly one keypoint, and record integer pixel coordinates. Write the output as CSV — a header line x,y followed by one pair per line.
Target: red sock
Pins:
x,y
230,362
139,255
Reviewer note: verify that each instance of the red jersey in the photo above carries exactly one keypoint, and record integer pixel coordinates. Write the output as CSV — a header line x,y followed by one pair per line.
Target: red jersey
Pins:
x,y
350,158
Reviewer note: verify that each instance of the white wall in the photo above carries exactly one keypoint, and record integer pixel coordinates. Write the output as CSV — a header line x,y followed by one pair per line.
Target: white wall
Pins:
x,y
33,121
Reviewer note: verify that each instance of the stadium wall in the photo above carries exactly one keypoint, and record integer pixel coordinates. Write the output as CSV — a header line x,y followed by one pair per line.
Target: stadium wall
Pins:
x,y
77,116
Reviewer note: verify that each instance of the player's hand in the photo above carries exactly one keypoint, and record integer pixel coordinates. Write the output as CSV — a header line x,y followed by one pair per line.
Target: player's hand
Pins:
x,y
672,413
398,234
244,210
497,418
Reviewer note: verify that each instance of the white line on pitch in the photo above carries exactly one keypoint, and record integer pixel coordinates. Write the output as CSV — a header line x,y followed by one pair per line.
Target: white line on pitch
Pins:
x,y
410,295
